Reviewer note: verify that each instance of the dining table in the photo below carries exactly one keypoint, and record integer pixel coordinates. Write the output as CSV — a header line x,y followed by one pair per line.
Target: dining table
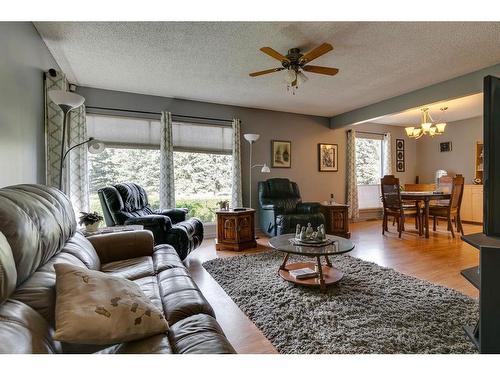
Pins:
x,y
426,197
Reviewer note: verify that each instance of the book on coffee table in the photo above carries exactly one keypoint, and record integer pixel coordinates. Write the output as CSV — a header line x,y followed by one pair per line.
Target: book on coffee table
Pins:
x,y
303,273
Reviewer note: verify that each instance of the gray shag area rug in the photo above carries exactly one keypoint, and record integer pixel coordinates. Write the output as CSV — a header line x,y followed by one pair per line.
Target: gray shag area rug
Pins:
x,y
373,309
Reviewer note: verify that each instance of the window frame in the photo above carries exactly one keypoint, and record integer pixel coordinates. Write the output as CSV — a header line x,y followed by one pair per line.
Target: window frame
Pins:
x,y
380,138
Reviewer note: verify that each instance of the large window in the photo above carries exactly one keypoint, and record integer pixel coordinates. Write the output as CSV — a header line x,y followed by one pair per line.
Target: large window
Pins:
x,y
202,161
369,170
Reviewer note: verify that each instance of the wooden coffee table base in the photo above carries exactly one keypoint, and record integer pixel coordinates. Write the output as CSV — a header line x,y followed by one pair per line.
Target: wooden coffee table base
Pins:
x,y
328,275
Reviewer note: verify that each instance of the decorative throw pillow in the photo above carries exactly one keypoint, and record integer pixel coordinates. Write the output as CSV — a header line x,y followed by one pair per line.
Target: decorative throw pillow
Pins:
x,y
95,308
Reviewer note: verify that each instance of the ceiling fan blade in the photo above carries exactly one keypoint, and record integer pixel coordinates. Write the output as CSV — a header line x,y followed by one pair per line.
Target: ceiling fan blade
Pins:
x,y
315,53
274,54
320,70
256,74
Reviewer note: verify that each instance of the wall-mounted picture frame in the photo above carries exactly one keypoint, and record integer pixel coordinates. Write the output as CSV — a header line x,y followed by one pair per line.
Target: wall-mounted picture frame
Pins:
x,y
445,146
400,144
400,155
281,154
328,159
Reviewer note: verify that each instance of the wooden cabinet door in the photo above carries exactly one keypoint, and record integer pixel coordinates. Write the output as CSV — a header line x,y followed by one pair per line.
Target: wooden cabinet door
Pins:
x,y
244,226
228,231
338,221
466,208
477,205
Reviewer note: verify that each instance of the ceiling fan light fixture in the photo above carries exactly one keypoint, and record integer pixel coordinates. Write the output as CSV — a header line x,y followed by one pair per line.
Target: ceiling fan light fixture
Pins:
x,y
301,78
290,76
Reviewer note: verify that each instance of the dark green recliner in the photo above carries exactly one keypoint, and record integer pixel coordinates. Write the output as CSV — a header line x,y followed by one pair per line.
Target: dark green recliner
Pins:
x,y
281,208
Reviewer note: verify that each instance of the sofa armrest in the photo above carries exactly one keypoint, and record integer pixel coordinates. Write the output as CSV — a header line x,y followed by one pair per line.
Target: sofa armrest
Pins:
x,y
111,247
308,207
175,214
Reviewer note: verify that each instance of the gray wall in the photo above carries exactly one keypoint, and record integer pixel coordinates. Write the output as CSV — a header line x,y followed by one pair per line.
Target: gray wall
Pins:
x,y
463,135
23,59
397,132
467,84
305,132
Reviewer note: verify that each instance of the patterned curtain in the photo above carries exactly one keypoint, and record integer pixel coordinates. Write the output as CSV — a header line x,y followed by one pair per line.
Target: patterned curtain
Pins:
x,y
53,129
75,173
167,184
76,161
387,154
236,193
352,184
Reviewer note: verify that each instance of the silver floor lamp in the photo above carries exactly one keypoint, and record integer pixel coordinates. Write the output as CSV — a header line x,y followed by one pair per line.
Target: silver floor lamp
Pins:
x,y
252,138
68,101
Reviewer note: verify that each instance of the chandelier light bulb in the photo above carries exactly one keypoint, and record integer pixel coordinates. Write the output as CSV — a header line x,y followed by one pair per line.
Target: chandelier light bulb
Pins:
x,y
440,127
409,131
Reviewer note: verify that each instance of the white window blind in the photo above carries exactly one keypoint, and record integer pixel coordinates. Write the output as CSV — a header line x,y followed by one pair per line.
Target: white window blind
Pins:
x,y
139,132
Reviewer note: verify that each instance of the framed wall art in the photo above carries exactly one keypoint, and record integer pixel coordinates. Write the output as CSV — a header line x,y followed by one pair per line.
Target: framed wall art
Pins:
x,y
281,154
328,157
400,155
445,146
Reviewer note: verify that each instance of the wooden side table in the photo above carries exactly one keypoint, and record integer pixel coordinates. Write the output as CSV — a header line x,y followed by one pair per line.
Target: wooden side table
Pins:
x,y
235,230
337,220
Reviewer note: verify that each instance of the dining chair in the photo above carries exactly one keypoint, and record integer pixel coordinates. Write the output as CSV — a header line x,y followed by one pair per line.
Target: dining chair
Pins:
x,y
450,210
420,187
393,205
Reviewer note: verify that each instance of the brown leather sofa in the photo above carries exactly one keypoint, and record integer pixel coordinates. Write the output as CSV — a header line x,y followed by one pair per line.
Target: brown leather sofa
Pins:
x,y
38,230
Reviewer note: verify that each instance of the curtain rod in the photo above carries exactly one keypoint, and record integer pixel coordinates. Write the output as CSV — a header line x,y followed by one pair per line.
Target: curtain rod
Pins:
x,y
158,113
362,132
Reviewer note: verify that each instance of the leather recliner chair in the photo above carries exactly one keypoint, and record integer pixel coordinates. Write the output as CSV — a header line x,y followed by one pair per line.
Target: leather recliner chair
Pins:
x,y
281,207
127,204
38,230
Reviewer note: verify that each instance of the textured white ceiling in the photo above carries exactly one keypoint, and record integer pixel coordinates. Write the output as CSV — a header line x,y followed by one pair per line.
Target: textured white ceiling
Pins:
x,y
458,109
210,61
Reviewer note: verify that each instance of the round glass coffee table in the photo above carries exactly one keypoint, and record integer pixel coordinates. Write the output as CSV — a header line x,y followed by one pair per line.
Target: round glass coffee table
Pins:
x,y
327,274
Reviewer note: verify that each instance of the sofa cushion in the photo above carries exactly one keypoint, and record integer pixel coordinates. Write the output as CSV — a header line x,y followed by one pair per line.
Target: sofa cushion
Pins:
x,y
8,273
23,330
131,269
157,344
39,291
37,221
199,334
114,309
165,257
180,296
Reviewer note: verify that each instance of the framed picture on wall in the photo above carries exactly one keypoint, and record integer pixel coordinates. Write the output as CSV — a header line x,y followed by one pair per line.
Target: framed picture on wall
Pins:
x,y
281,154
445,146
400,155
328,157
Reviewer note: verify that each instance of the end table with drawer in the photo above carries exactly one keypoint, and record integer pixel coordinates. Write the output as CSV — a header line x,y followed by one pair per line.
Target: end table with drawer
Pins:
x,y
235,230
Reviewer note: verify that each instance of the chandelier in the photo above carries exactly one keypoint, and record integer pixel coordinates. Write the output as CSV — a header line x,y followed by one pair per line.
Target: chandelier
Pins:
x,y
427,126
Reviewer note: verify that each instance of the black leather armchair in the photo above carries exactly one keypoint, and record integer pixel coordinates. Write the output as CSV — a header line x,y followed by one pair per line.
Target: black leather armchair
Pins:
x,y
127,204
281,208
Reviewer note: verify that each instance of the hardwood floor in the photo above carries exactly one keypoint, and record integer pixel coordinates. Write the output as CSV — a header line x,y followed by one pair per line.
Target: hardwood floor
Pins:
x,y
438,259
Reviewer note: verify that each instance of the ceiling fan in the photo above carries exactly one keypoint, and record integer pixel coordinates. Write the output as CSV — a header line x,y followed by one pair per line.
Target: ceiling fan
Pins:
x,y
295,62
